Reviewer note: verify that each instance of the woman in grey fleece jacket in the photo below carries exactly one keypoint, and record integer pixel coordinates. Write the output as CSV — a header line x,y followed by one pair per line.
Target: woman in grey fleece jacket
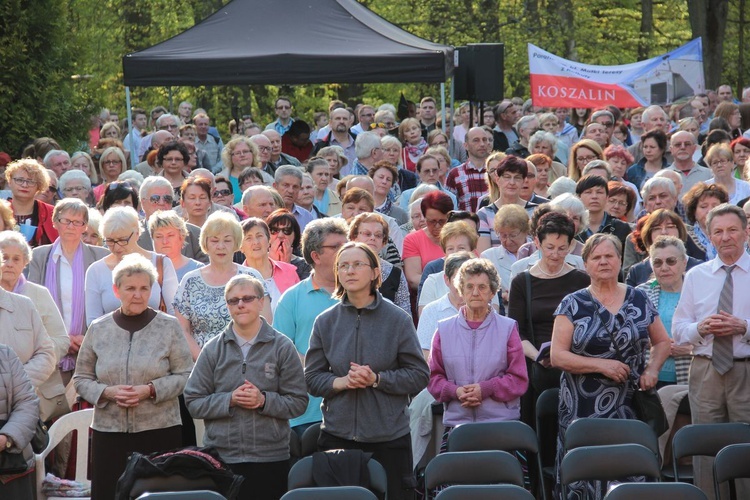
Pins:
x,y
364,360
247,383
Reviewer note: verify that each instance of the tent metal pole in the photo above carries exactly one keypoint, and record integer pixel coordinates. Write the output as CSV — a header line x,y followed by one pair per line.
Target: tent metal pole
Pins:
x,y
442,105
130,128
171,105
453,102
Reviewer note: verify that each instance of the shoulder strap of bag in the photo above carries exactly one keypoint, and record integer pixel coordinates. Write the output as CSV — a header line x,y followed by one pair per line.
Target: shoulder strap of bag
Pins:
x,y
160,269
530,324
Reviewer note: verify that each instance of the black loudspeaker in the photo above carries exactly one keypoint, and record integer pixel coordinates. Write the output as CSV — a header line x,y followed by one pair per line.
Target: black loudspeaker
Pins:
x,y
463,83
488,71
479,74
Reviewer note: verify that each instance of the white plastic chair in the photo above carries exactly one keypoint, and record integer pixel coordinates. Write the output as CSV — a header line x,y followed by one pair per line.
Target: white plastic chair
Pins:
x,y
76,421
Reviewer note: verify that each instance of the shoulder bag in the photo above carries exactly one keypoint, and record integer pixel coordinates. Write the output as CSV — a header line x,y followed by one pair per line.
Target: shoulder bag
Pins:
x,y
646,404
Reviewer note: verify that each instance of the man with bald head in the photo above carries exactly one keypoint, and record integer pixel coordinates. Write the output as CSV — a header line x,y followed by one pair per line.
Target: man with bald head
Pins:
x,y
682,145
340,135
467,181
157,139
277,157
259,201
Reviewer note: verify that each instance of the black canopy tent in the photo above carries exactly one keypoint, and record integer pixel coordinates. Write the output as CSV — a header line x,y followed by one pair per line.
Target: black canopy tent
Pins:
x,y
290,42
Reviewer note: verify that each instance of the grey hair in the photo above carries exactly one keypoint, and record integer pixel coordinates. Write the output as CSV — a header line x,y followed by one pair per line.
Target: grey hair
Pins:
x,y
597,164
117,152
602,112
166,218
203,173
474,267
597,239
163,117
51,154
74,175
421,190
95,220
15,239
133,177
120,218
287,171
454,261
543,136
316,232
724,209
560,186
247,195
151,182
646,116
661,182
74,205
92,169
244,279
524,120
131,264
569,202
365,143
668,241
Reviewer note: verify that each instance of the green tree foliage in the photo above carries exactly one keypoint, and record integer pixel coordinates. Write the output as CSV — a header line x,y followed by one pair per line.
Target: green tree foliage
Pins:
x,y
37,95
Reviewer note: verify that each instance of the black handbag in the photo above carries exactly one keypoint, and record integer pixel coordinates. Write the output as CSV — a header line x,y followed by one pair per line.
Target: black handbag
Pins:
x,y
11,463
40,439
646,404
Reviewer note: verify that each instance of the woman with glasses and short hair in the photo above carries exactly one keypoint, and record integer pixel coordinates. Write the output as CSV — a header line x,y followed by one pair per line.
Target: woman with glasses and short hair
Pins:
x,y
172,159
237,155
720,160
75,184
224,195
27,178
112,163
121,228
168,233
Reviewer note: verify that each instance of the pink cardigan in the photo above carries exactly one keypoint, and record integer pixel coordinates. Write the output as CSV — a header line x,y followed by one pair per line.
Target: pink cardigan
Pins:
x,y
284,274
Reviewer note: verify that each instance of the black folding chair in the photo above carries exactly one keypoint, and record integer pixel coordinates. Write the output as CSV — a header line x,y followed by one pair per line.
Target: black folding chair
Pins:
x,y
608,431
309,441
546,430
183,495
608,463
507,436
485,492
301,476
706,440
655,491
732,462
332,493
472,467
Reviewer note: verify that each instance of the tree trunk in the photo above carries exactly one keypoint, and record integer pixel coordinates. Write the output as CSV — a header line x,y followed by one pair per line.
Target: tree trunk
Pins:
x,y
566,27
647,29
708,19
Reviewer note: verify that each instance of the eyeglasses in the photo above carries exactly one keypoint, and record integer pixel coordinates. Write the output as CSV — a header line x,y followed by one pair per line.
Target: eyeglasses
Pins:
x,y
585,159
166,198
367,115
111,162
247,299
720,161
670,261
513,178
68,222
511,236
242,153
169,127
373,126
122,242
52,189
345,266
617,203
287,230
665,227
173,159
607,124
283,107
264,149
436,222
334,247
74,189
682,144
220,193
368,234
24,182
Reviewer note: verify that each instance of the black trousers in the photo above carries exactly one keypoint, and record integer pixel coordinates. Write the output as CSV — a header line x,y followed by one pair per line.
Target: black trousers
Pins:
x,y
110,452
395,457
263,480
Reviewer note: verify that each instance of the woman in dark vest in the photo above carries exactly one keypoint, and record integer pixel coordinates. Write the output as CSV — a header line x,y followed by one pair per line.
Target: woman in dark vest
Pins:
x,y
371,229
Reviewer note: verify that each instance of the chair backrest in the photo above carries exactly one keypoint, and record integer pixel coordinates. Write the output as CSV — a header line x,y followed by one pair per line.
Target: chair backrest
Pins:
x,y
706,440
309,441
301,476
608,463
732,462
75,421
334,493
655,491
183,495
505,436
546,424
607,431
485,492
473,467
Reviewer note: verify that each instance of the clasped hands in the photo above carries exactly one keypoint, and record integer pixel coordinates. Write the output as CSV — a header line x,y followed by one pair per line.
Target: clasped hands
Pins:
x,y
722,324
248,396
619,372
127,396
359,377
470,395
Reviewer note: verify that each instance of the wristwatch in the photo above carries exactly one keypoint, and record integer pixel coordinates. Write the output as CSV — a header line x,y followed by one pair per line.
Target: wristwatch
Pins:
x,y
8,442
377,380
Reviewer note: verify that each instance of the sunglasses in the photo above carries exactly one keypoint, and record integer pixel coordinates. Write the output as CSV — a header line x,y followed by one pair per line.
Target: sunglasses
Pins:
x,y
166,198
222,193
247,299
286,230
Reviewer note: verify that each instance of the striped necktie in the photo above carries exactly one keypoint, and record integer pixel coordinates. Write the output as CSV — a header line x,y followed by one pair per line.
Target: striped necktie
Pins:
x,y
723,348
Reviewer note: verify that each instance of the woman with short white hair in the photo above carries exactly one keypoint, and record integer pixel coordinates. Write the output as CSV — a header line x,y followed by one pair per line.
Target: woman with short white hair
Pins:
x,y
75,184
168,233
120,228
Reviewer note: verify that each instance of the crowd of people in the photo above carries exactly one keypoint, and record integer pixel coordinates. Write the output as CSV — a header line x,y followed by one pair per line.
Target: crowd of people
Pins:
x,y
358,268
